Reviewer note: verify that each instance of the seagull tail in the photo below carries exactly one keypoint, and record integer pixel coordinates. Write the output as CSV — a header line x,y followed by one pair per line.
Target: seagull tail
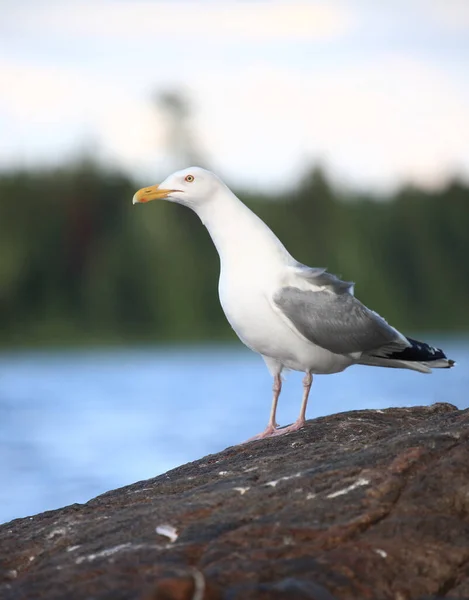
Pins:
x,y
418,356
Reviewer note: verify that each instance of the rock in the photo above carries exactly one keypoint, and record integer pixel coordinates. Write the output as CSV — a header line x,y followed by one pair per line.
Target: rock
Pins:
x,y
359,505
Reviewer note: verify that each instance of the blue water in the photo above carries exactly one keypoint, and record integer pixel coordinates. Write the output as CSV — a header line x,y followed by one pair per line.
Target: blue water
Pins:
x,y
74,424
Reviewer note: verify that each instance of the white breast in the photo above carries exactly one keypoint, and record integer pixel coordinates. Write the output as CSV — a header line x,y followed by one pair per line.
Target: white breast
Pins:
x,y
253,264
248,310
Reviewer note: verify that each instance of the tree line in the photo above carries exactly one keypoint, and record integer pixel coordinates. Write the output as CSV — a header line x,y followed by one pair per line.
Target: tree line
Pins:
x,y
80,265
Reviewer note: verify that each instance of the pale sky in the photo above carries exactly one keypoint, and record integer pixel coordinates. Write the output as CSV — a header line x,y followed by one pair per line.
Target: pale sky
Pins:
x,y
378,92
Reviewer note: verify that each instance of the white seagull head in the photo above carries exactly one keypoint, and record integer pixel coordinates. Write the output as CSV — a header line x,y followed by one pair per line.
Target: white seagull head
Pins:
x,y
191,187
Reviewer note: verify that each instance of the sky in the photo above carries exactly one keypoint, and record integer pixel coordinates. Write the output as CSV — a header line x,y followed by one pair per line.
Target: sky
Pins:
x,y
376,92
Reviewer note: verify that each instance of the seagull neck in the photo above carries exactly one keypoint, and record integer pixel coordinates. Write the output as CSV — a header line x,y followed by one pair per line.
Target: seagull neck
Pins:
x,y
236,230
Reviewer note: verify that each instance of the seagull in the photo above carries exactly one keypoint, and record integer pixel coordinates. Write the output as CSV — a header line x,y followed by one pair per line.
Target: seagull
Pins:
x,y
296,317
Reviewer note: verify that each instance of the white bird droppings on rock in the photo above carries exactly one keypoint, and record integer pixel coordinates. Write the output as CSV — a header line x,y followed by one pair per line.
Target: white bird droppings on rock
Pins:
x,y
274,482
358,483
146,489
167,531
199,585
382,553
102,554
242,490
109,552
11,574
297,443
57,531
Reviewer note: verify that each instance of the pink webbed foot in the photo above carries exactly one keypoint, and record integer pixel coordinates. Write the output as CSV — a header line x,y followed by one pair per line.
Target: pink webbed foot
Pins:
x,y
296,426
269,431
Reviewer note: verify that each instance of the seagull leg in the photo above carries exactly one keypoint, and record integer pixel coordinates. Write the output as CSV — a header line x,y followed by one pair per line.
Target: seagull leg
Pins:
x,y
300,422
307,383
276,389
272,425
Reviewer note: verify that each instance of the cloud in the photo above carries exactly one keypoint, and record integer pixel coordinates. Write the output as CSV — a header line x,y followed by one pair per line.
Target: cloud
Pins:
x,y
46,104
375,124
376,118
184,21
449,14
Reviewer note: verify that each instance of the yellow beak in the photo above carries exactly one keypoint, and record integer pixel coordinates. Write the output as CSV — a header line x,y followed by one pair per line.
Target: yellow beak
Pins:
x,y
154,192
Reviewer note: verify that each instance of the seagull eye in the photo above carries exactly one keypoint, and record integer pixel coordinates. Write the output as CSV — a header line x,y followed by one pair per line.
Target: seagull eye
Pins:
x,y
189,178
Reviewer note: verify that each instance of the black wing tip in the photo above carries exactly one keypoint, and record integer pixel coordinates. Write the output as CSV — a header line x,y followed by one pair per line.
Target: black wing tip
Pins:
x,y
423,352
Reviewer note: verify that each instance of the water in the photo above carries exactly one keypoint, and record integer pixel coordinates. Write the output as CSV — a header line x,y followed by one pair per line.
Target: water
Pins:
x,y
75,424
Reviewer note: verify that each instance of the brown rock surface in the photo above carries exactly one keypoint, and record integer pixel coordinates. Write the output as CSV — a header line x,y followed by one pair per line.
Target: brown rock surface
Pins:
x,y
359,505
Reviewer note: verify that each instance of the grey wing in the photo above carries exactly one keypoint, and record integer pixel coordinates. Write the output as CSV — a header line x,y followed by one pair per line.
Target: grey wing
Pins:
x,y
337,322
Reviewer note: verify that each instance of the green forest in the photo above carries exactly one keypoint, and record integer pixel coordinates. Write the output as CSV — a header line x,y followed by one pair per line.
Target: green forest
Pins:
x,y
79,264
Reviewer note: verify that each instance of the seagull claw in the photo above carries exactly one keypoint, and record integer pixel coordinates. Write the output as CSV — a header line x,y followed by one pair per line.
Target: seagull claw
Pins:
x,y
269,431
296,426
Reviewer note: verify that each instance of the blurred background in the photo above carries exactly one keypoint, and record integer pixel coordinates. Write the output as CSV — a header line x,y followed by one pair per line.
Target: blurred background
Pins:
x,y
344,125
